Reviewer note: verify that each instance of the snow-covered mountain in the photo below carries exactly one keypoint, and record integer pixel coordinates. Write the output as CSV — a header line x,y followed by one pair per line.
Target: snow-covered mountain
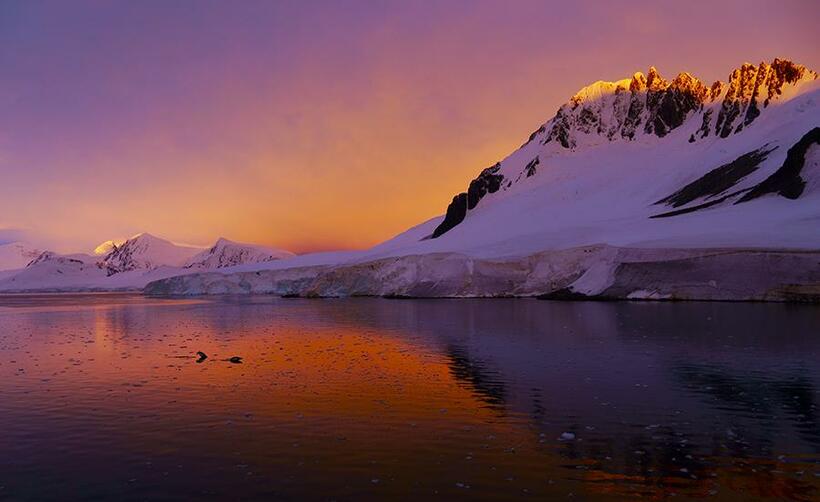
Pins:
x,y
641,187
614,142
17,255
106,247
51,256
146,252
52,271
125,266
227,253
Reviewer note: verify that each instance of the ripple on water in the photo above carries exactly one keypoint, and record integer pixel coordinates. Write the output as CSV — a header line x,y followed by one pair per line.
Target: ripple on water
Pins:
x,y
105,396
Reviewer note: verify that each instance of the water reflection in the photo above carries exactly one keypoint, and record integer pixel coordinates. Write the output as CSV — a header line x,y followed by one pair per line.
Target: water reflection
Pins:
x,y
346,399
486,384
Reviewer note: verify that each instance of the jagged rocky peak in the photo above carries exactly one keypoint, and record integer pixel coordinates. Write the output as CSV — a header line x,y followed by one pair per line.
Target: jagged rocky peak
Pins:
x,y
607,111
638,82
620,110
752,88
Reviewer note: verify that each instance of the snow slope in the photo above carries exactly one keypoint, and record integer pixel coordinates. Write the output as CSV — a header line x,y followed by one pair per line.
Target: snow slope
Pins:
x,y
227,253
16,255
146,252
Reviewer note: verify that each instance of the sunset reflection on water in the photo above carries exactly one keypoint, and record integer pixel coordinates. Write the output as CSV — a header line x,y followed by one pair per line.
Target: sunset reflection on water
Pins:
x,y
102,396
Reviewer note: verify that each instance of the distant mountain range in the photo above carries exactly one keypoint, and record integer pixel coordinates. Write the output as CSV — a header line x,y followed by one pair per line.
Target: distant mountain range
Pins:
x,y
127,265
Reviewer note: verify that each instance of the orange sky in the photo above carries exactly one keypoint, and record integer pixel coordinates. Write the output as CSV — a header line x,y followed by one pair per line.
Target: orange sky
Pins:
x,y
313,126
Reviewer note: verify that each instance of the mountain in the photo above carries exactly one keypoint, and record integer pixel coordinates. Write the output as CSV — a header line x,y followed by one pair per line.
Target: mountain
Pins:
x,y
145,252
641,188
227,253
16,255
51,256
649,104
53,272
129,265
620,128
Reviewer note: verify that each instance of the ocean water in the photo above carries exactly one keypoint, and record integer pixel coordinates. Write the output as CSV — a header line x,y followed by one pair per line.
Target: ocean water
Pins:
x,y
104,397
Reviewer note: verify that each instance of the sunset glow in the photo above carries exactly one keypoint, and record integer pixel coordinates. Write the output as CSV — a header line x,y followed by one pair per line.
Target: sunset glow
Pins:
x,y
329,127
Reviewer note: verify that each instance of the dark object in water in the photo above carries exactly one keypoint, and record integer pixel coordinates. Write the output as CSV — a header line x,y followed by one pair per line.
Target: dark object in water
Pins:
x,y
235,360
202,356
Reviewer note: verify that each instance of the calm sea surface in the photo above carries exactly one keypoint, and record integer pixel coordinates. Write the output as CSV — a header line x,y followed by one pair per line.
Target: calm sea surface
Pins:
x,y
103,397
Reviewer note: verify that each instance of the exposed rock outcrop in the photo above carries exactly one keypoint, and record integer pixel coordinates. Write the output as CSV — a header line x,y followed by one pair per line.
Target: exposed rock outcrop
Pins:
x,y
456,212
787,181
489,181
718,180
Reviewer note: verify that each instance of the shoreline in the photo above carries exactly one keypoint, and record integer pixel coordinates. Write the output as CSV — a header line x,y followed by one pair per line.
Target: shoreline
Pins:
x,y
587,273
598,272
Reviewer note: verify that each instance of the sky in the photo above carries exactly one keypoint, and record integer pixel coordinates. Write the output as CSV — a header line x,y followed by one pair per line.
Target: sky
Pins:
x,y
315,125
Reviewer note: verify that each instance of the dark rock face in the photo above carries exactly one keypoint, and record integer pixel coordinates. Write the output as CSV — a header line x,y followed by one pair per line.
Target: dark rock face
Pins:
x,y
692,209
489,181
704,126
718,180
748,85
120,259
561,127
674,104
634,114
456,212
530,169
786,181
486,182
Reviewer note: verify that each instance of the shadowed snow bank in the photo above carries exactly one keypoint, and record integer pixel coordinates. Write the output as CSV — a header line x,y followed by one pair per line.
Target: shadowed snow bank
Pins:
x,y
589,272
